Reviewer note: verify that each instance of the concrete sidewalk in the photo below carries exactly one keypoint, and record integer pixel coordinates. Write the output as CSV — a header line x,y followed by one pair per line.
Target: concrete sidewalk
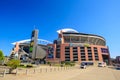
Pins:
x,y
98,73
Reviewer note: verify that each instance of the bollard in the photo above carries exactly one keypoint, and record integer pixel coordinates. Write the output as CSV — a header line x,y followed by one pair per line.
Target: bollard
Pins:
x,y
58,68
4,73
34,70
26,71
50,69
16,71
46,69
41,70
54,69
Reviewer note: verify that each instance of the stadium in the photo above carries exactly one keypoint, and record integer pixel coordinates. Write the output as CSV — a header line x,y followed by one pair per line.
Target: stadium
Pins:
x,y
81,47
30,50
69,46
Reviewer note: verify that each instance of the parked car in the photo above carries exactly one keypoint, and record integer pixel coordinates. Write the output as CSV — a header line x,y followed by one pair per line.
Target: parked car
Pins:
x,y
83,66
101,64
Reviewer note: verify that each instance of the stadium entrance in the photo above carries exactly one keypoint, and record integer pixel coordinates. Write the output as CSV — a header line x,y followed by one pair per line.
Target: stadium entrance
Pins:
x,y
106,59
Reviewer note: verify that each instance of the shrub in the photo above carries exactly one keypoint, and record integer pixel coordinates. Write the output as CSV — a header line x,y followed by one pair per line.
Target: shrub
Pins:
x,y
1,58
13,63
56,64
22,65
1,55
29,66
48,62
62,62
67,63
72,64
72,61
62,65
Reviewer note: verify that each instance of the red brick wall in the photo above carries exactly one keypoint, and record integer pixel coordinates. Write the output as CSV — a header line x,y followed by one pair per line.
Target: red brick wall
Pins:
x,y
62,52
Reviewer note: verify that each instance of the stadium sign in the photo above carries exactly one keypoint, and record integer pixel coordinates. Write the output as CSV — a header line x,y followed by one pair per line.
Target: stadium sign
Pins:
x,y
79,45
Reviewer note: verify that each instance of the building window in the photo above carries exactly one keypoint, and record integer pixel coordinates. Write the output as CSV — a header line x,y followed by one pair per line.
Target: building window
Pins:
x,y
82,51
89,53
75,54
67,39
84,39
67,53
57,55
58,51
96,53
75,39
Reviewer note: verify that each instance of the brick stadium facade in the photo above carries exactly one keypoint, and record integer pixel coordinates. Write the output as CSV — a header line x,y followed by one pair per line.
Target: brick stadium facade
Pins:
x,y
74,46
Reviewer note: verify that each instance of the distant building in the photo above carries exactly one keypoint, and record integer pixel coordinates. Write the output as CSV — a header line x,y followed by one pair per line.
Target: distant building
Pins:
x,y
118,59
74,46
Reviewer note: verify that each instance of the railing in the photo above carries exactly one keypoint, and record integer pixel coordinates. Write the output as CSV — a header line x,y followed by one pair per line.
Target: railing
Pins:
x,y
28,71
3,72
41,70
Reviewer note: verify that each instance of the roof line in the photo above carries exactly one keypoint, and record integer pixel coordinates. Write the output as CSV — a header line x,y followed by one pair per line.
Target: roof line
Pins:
x,y
28,40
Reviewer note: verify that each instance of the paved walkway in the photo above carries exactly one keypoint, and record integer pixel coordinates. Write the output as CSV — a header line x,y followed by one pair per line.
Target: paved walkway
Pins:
x,y
96,73
91,73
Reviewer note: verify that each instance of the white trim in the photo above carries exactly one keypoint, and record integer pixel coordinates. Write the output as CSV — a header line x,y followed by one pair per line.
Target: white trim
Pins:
x,y
28,40
67,30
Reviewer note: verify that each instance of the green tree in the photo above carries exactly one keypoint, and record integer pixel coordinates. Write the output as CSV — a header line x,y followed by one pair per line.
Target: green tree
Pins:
x,y
13,64
1,57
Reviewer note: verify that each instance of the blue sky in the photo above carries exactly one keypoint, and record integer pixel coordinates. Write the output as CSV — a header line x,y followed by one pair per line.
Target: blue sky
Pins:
x,y
18,17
